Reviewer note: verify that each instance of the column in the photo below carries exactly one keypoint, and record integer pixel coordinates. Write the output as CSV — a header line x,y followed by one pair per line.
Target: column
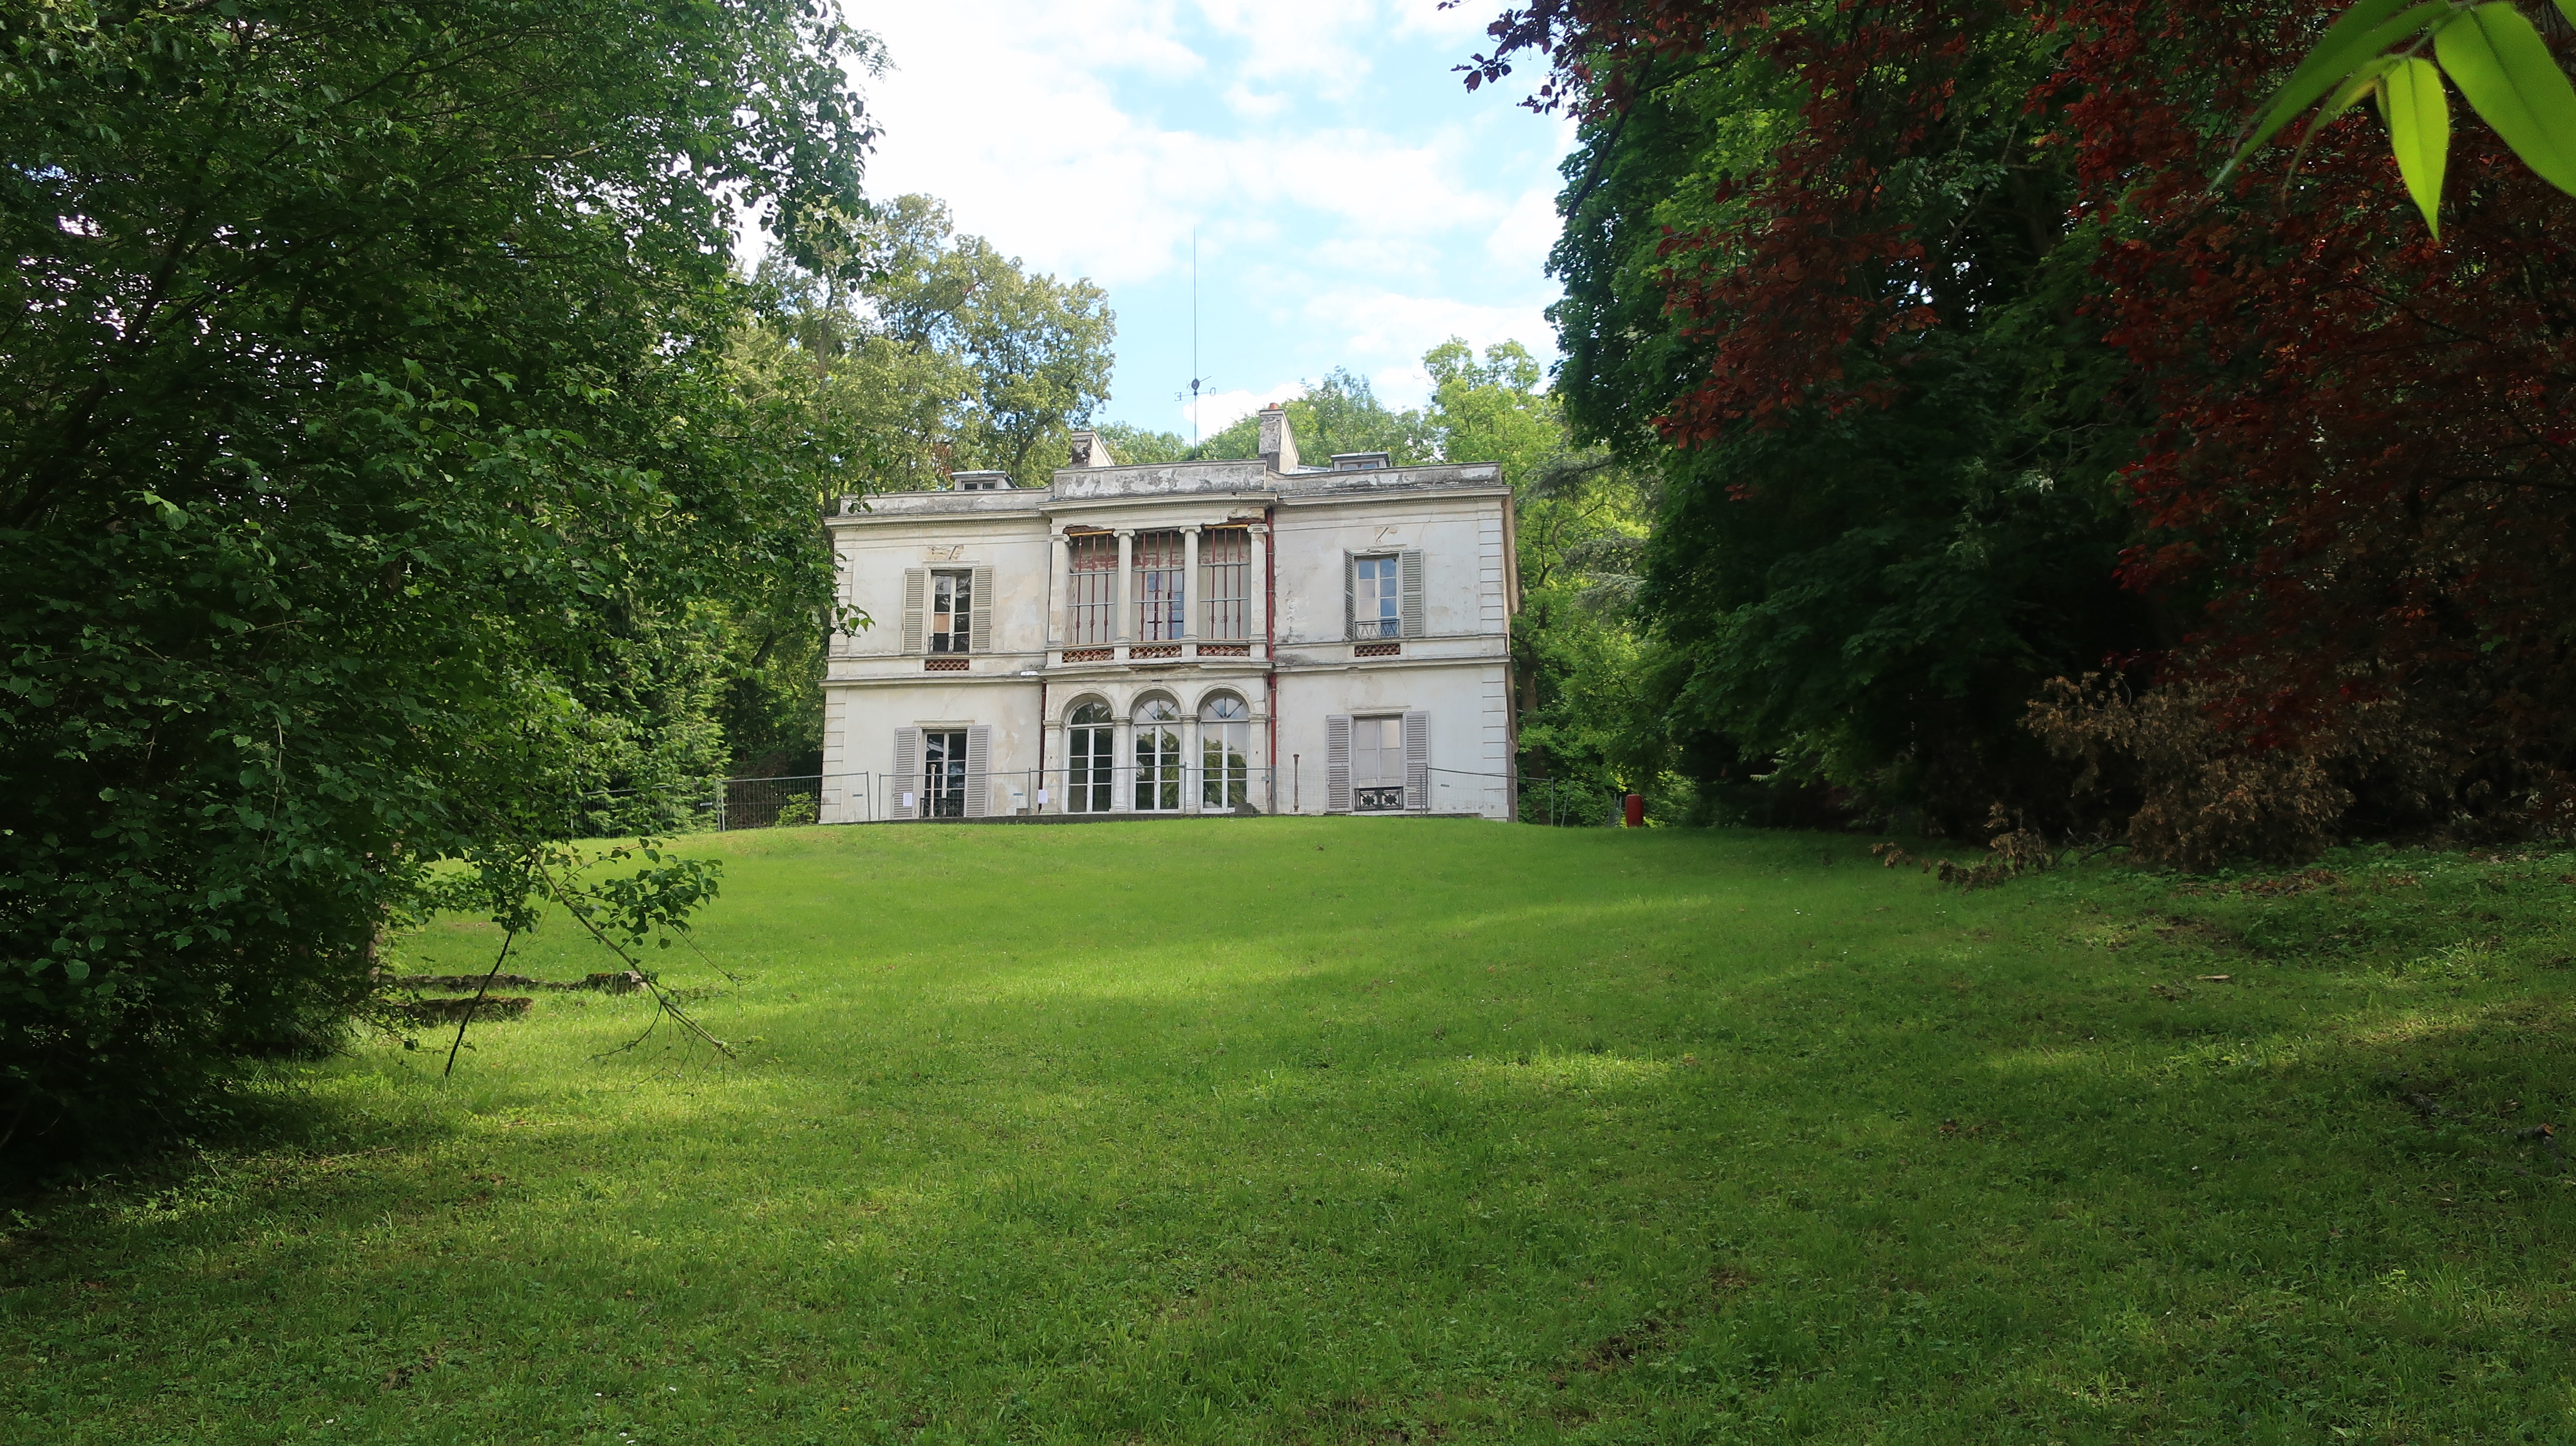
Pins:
x,y
1190,583
1122,768
1059,588
1193,788
1126,584
1264,784
1258,588
1052,731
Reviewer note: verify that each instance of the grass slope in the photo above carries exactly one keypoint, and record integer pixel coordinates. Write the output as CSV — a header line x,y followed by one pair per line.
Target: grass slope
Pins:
x,y
1309,1130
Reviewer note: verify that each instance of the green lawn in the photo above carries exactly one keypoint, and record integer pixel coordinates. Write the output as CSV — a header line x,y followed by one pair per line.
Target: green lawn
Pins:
x,y
1321,1130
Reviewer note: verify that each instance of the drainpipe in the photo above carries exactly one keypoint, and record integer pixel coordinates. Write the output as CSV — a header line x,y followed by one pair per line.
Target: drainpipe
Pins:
x,y
1270,634
1035,807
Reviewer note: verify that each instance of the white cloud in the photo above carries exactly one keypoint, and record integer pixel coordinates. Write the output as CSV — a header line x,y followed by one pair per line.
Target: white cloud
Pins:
x,y
1522,239
1243,100
1220,410
1386,333
1356,204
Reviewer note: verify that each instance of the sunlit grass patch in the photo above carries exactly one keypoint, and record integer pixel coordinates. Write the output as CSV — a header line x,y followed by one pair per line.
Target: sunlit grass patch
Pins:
x,y
1293,1130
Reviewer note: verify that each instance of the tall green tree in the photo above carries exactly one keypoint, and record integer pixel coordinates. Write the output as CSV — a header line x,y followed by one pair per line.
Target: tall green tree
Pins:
x,y
1341,413
1890,507
364,369
926,351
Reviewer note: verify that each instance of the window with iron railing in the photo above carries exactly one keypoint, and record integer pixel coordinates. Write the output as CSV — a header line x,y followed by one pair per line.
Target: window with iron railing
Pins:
x,y
1375,597
1091,590
1160,593
1225,582
1377,765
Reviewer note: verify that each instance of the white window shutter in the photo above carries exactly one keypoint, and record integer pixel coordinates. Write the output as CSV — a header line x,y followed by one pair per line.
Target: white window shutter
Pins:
x,y
905,796
1337,763
1417,757
979,637
979,756
916,581
1409,601
1350,596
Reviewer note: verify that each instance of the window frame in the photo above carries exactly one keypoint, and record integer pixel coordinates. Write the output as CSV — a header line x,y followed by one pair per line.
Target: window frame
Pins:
x,y
1225,583
1370,794
1091,590
1163,770
1091,783
1161,560
943,750
955,587
1386,574
1225,752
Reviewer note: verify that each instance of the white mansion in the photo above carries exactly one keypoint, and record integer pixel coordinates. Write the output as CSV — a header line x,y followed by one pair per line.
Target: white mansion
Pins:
x,y
1188,637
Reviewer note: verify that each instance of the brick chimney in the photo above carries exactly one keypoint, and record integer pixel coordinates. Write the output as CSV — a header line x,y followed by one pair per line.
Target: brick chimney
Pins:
x,y
1278,443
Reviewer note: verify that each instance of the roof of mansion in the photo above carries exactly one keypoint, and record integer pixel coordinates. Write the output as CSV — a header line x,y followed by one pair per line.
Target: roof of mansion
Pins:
x,y
1101,481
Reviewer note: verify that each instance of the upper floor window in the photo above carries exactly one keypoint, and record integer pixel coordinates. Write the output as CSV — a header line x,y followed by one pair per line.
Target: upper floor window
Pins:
x,y
1225,582
1091,590
1377,596
952,611
1160,574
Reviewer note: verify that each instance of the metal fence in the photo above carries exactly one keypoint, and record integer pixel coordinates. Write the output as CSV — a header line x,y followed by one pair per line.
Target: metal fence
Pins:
x,y
1121,790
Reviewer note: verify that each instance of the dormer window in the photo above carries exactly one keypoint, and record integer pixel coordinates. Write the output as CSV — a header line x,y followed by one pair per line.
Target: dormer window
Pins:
x,y
980,481
1362,461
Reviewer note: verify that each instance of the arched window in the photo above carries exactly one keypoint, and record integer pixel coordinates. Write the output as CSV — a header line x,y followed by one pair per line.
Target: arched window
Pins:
x,y
1225,753
1158,756
1091,749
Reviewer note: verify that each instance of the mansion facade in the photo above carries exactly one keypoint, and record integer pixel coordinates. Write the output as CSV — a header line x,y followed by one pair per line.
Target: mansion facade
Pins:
x,y
1176,638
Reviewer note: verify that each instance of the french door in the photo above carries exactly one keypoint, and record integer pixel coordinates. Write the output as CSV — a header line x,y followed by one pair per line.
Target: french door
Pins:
x,y
1091,760
1158,757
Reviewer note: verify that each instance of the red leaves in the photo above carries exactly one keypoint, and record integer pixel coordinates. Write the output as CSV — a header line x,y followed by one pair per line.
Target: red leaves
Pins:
x,y
2361,469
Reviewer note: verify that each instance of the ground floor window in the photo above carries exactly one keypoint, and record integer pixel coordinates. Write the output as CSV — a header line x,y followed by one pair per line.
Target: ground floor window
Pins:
x,y
1158,757
943,773
1377,765
1225,753
1091,759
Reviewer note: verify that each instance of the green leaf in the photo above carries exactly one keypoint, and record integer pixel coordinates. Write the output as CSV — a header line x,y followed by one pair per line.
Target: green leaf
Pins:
x,y
2418,112
2362,82
2508,75
2362,32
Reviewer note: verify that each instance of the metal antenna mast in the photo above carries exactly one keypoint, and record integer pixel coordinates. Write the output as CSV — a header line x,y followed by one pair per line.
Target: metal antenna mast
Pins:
x,y
1194,336
1196,381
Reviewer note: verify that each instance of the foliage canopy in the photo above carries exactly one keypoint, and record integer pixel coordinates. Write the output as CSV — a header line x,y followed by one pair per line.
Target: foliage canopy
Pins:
x,y
1970,389
364,371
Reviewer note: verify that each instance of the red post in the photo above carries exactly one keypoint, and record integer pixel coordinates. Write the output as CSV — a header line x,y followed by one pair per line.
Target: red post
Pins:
x,y
1636,803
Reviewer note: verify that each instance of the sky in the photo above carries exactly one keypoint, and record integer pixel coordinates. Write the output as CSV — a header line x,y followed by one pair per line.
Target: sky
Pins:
x,y
1354,205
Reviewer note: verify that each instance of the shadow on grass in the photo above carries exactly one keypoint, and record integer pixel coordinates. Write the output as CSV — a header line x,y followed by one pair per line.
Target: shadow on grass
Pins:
x,y
1581,1155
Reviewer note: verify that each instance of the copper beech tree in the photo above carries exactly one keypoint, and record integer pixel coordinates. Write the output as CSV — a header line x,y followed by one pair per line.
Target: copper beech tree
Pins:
x,y
2331,449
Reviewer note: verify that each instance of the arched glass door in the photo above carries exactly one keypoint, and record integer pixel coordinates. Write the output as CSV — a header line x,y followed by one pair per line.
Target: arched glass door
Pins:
x,y
1091,746
1158,756
1225,753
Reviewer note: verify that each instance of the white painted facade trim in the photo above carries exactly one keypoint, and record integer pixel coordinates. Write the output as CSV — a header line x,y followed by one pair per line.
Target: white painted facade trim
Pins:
x,y
1298,666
